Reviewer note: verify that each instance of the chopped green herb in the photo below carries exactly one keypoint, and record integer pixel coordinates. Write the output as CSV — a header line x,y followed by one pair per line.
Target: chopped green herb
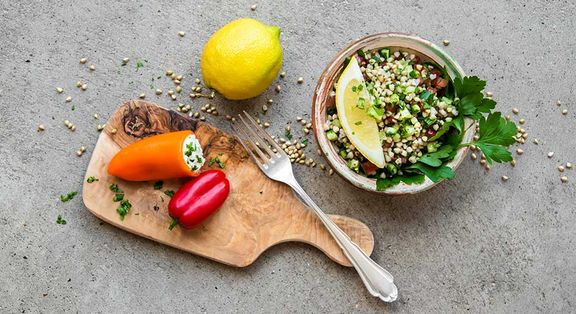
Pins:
x,y
114,188
216,160
361,103
60,220
190,148
118,193
158,185
73,107
123,209
118,197
358,123
169,193
375,113
139,64
92,179
304,141
67,197
288,135
358,88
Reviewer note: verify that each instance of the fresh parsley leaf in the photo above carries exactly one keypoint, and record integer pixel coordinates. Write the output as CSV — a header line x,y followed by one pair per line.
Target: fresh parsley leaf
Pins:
x,y
358,123
486,106
496,134
169,193
472,102
158,185
496,130
304,141
436,174
469,104
497,153
124,208
458,123
289,135
91,179
468,85
68,197
384,183
435,159
60,220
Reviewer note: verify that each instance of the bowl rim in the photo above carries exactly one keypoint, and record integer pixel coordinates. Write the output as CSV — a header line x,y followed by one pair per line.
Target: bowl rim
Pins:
x,y
322,90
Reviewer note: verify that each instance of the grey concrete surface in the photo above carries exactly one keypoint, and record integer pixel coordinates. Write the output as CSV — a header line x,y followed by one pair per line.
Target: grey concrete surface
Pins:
x,y
474,244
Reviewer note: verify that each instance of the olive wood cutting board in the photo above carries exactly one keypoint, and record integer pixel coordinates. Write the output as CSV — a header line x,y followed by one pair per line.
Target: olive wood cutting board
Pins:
x,y
258,213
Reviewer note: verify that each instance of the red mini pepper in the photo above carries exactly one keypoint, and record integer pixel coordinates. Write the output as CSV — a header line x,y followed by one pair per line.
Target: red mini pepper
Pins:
x,y
198,198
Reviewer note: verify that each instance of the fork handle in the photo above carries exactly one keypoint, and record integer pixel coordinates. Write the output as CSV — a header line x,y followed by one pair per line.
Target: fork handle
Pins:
x,y
377,280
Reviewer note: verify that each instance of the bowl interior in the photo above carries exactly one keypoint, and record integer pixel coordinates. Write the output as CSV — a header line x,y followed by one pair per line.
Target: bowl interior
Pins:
x,y
324,99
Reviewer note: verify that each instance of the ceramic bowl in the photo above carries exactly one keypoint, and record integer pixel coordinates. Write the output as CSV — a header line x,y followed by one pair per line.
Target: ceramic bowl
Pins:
x,y
323,99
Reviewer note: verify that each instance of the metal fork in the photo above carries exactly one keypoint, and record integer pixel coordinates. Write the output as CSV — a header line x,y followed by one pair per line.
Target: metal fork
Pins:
x,y
272,160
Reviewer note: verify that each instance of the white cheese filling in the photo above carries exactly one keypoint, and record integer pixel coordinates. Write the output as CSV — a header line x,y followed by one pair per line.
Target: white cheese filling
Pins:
x,y
192,153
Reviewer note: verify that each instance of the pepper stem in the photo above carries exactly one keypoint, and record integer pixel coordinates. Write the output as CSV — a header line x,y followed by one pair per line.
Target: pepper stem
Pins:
x,y
173,224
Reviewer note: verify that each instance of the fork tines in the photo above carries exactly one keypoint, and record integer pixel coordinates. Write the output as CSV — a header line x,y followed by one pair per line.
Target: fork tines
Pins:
x,y
259,144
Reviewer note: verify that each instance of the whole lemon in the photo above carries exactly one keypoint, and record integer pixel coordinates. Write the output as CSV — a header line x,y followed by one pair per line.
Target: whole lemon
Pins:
x,y
242,58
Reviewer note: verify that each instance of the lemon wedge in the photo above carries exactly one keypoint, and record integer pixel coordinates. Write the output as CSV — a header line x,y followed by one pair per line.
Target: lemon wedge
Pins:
x,y
351,104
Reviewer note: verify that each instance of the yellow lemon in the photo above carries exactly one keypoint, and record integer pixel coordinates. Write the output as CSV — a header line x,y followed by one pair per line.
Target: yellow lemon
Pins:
x,y
351,104
242,58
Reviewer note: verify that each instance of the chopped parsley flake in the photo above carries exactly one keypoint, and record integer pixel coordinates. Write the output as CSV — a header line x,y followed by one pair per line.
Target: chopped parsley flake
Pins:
x,y
91,179
217,160
158,185
67,197
60,220
140,64
169,193
114,188
123,209
118,197
190,148
118,193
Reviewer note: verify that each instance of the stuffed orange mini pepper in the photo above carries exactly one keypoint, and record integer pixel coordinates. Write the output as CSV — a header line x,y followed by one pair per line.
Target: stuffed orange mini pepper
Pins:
x,y
165,156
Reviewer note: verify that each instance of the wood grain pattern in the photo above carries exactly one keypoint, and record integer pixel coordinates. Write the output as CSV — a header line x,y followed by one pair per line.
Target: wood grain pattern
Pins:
x,y
258,214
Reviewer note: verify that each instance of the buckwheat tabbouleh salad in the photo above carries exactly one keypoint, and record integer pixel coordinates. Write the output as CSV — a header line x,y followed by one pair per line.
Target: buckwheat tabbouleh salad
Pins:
x,y
399,118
